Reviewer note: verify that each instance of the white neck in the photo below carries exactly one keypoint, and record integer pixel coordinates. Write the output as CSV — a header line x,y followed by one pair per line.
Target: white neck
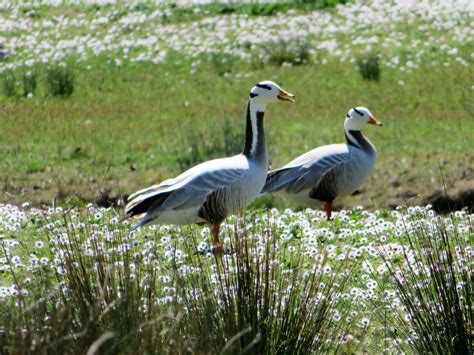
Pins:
x,y
257,105
351,125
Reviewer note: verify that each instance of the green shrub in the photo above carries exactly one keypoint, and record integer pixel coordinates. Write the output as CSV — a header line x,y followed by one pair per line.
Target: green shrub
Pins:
x,y
369,67
60,80
264,9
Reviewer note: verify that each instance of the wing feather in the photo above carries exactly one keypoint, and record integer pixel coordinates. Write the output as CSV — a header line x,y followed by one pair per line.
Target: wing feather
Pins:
x,y
188,190
304,172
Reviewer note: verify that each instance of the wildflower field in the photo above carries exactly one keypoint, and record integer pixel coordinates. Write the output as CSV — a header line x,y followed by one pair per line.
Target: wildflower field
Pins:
x,y
100,98
293,282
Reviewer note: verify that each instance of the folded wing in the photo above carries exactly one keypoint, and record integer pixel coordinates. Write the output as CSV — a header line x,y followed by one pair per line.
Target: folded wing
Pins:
x,y
305,172
188,190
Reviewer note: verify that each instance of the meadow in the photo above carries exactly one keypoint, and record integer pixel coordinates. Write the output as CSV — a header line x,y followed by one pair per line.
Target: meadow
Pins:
x,y
99,100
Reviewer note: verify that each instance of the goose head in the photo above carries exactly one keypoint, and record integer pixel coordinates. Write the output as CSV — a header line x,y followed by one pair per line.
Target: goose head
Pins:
x,y
357,117
266,92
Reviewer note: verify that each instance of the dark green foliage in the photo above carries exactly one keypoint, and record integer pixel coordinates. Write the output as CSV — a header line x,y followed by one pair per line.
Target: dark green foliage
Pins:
x,y
264,9
321,4
26,77
9,83
369,67
180,13
60,80
271,9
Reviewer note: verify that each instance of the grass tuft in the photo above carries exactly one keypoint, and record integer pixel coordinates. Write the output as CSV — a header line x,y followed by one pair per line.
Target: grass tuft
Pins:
x,y
433,283
369,67
29,80
223,64
9,83
283,52
93,298
264,300
60,80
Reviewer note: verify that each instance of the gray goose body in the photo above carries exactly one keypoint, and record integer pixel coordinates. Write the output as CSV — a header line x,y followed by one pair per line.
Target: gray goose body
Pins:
x,y
324,173
209,192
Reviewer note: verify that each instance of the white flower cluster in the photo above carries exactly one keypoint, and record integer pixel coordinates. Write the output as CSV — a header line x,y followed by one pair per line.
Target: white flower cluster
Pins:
x,y
404,32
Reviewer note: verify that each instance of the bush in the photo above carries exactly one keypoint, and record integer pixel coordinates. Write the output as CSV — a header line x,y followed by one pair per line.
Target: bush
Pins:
x,y
271,9
60,80
93,299
369,67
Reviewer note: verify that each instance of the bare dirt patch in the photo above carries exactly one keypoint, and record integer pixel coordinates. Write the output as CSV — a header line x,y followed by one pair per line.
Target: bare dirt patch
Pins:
x,y
456,197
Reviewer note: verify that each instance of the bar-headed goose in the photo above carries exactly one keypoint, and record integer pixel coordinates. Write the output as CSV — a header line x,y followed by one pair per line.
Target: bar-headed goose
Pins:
x,y
208,192
326,172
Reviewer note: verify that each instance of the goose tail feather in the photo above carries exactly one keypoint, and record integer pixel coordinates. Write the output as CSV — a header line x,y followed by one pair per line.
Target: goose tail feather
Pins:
x,y
272,184
145,203
145,221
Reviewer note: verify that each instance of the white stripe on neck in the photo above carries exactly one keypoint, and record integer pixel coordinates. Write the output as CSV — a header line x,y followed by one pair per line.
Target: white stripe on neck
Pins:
x,y
255,106
351,137
352,125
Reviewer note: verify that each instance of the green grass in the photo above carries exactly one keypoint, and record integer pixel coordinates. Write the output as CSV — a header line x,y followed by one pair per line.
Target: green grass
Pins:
x,y
126,127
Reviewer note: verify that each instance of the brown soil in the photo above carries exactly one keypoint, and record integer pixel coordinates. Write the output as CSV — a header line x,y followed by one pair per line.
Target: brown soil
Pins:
x,y
383,190
456,197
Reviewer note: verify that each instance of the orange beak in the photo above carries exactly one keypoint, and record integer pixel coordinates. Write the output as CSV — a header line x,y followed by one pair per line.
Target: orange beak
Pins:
x,y
374,121
286,96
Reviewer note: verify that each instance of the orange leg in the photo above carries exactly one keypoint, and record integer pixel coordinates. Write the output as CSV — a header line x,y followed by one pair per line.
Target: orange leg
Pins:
x,y
328,209
218,246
